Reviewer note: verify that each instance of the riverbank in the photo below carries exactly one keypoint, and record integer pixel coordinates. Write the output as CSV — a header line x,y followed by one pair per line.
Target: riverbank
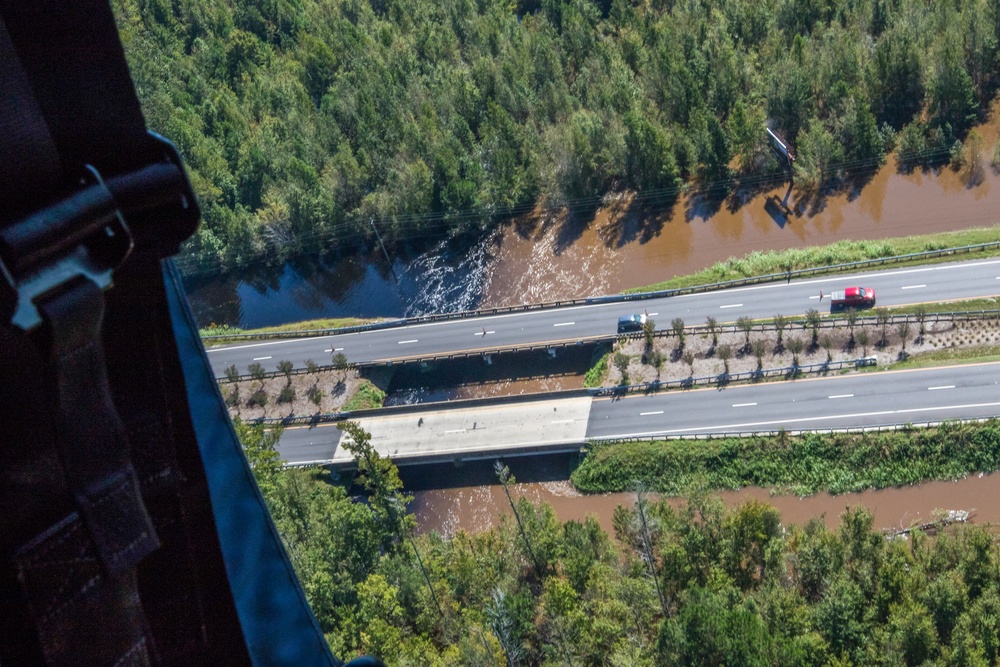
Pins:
x,y
762,263
800,465
756,263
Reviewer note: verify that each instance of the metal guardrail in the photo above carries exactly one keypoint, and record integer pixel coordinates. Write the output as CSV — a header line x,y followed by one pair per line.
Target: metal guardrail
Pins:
x,y
729,378
647,387
722,435
329,417
616,298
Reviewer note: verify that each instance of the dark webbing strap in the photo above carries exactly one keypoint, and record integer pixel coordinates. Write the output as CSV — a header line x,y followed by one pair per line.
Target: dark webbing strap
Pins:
x,y
80,582
72,571
71,594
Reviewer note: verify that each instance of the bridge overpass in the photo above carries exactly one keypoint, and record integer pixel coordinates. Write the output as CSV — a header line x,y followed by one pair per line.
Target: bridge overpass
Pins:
x,y
514,426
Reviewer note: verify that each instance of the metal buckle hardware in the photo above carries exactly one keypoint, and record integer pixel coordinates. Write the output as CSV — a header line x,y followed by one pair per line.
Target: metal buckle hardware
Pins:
x,y
157,199
84,234
81,235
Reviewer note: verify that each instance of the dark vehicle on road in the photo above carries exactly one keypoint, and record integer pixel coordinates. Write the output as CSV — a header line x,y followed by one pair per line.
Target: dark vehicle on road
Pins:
x,y
627,323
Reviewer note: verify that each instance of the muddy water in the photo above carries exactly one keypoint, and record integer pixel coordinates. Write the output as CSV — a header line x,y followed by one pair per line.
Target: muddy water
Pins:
x,y
563,257
479,507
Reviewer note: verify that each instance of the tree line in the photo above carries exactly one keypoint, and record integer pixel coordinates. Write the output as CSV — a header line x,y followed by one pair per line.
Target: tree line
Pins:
x,y
692,584
306,124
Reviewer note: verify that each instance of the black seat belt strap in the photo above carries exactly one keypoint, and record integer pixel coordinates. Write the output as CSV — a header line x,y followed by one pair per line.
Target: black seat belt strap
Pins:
x,y
58,246
83,582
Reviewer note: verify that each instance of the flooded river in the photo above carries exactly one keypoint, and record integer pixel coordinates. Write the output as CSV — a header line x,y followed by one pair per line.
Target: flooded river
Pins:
x,y
554,256
474,508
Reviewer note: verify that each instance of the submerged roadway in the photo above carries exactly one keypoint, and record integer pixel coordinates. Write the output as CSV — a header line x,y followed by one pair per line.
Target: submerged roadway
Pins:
x,y
895,287
847,401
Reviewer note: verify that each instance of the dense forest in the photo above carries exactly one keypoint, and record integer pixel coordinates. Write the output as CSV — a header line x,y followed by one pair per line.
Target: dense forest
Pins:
x,y
306,124
698,585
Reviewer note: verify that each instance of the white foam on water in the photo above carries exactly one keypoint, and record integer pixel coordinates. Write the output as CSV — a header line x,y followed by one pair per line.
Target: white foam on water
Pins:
x,y
445,286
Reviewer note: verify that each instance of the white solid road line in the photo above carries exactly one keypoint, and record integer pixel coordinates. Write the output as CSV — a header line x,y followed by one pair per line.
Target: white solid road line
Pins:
x,y
815,297
404,342
732,305
483,333
564,421
912,286
841,396
260,358
946,386
803,420
743,405
457,430
564,324
645,414
337,349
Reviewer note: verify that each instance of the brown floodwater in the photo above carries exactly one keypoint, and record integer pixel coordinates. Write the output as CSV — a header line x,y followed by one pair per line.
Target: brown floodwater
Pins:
x,y
618,249
564,257
477,508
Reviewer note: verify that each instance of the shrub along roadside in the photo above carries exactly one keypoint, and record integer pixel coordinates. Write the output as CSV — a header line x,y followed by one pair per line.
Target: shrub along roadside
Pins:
x,y
805,464
597,373
367,396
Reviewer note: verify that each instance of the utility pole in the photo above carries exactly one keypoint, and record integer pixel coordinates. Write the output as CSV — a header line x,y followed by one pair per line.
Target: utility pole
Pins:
x,y
384,252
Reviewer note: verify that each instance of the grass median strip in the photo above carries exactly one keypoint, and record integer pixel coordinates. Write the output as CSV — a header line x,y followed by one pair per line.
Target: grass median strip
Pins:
x,y
803,464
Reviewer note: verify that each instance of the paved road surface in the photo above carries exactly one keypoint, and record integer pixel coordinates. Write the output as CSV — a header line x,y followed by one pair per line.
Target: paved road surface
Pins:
x,y
846,401
459,433
939,282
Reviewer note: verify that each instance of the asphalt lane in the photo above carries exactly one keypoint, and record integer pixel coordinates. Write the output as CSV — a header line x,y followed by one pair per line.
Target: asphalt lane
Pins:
x,y
893,287
845,401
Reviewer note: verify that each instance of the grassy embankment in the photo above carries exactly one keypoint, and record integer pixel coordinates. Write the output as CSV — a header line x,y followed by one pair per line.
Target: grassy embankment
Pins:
x,y
769,262
307,325
367,396
811,463
805,464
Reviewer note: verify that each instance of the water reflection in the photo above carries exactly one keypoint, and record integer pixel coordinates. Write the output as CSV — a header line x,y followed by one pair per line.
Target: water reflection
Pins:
x,y
446,277
630,240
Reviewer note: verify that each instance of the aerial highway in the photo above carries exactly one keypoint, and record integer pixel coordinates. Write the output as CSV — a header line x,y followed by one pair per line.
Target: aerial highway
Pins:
x,y
845,401
894,287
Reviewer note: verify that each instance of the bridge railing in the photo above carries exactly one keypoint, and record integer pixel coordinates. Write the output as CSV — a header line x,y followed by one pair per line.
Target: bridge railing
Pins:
x,y
621,390
765,326
618,298
722,435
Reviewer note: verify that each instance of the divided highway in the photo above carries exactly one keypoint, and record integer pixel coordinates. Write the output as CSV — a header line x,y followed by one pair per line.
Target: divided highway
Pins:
x,y
894,287
847,401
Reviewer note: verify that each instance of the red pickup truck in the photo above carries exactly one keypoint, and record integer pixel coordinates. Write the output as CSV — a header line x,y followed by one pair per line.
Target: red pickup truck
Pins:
x,y
853,297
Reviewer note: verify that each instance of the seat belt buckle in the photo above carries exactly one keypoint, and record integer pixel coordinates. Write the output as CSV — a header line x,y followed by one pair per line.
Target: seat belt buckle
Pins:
x,y
157,199
85,233
82,234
